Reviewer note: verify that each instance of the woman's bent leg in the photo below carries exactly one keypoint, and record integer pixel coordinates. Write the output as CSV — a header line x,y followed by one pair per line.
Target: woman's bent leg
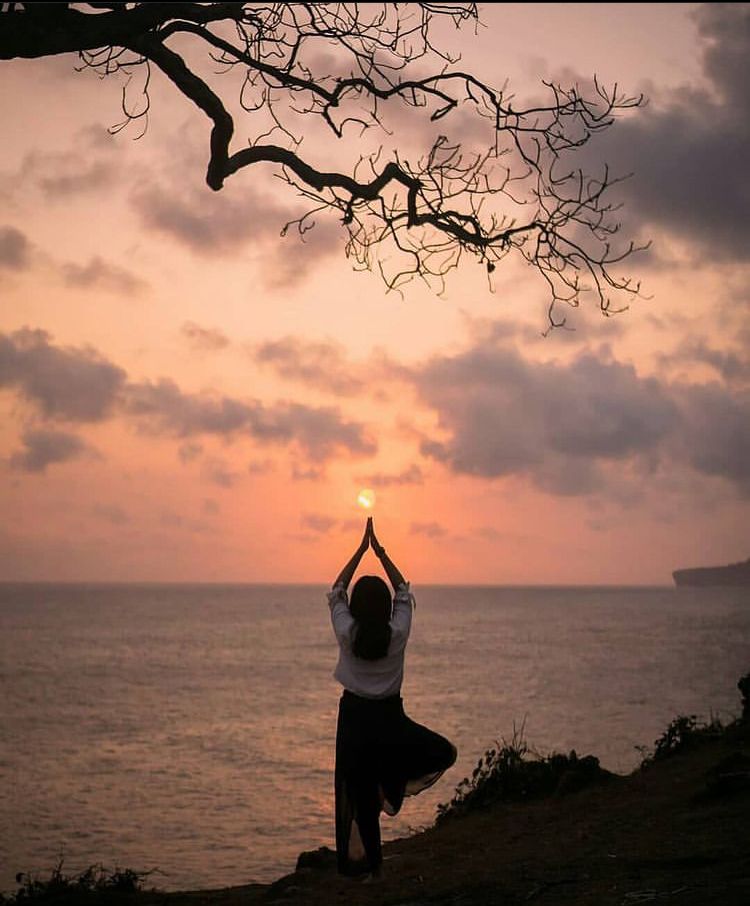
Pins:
x,y
426,757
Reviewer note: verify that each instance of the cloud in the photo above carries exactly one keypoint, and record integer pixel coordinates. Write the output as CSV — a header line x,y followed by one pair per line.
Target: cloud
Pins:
x,y
164,408
99,274
15,254
204,339
260,466
207,222
688,150
322,365
78,384
566,426
320,431
295,254
45,447
220,224
92,165
488,533
306,474
170,519
715,432
71,178
731,366
189,451
507,415
318,523
15,249
410,475
429,529
111,513
73,383
218,472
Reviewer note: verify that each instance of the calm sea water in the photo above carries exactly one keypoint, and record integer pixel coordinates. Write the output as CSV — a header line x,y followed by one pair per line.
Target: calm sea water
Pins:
x,y
192,727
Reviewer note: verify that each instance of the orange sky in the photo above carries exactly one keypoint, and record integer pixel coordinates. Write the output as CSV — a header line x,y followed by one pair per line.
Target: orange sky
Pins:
x,y
188,396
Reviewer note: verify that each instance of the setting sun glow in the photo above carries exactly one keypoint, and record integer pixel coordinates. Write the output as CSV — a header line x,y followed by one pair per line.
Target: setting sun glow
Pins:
x,y
366,499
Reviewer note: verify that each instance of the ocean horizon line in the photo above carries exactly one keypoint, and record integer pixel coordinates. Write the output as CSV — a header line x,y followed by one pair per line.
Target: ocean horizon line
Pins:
x,y
218,583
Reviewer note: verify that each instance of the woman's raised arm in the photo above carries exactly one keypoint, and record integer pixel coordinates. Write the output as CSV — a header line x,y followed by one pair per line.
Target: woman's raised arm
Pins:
x,y
345,576
391,570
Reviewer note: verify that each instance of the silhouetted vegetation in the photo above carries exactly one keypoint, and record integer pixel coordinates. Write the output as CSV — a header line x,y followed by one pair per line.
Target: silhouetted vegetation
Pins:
x,y
95,884
513,772
687,731
681,733
744,686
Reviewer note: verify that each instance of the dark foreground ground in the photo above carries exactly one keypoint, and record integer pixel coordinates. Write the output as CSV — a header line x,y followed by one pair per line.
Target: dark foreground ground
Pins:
x,y
676,832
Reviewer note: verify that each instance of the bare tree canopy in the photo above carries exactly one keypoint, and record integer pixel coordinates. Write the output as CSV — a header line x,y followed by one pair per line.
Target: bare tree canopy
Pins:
x,y
515,185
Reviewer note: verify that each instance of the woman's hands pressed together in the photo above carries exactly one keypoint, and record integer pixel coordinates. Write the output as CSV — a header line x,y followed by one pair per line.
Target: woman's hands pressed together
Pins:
x,y
369,539
377,547
365,543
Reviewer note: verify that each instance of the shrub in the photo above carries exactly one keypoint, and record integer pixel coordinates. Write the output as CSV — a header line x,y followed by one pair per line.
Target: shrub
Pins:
x,y
512,772
744,686
683,732
87,886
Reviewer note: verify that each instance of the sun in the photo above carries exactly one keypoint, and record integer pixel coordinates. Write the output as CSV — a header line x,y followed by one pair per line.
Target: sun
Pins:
x,y
366,499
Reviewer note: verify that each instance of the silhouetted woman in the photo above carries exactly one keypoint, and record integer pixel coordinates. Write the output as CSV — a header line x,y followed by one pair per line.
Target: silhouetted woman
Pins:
x,y
381,754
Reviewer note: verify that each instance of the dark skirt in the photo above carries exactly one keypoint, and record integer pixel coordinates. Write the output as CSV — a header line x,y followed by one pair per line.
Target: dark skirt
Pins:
x,y
381,757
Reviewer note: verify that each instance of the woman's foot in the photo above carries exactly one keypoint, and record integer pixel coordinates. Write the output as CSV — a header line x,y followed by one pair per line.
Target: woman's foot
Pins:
x,y
385,805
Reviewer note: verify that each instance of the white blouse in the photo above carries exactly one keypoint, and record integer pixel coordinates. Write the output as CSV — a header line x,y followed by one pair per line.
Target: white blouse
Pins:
x,y
371,679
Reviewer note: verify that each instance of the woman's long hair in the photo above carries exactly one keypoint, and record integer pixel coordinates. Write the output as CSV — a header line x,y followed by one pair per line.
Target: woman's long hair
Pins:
x,y
370,606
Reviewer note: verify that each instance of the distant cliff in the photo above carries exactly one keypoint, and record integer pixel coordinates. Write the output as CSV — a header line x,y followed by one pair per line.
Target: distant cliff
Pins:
x,y
733,574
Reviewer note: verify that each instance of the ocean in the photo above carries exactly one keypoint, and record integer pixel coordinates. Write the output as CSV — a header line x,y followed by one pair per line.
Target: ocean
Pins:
x,y
190,728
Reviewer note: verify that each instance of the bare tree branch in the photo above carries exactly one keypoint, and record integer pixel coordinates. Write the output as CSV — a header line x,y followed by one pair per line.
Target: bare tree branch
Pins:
x,y
521,193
